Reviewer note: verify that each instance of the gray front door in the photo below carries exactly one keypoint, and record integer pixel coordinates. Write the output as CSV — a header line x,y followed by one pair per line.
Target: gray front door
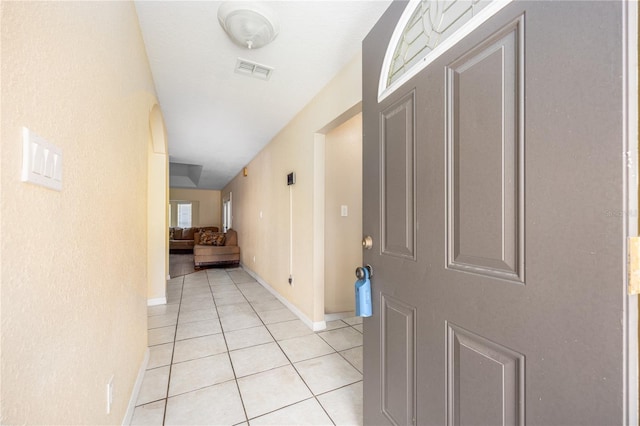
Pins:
x,y
493,183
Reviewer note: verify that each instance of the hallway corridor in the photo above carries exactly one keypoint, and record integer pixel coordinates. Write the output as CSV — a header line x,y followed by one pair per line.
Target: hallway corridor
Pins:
x,y
225,351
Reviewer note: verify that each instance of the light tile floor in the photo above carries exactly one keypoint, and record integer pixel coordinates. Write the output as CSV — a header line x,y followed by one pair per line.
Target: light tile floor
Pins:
x,y
225,351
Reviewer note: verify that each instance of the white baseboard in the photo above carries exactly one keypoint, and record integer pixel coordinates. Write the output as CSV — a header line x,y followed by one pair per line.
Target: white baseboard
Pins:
x,y
318,325
136,390
157,301
315,326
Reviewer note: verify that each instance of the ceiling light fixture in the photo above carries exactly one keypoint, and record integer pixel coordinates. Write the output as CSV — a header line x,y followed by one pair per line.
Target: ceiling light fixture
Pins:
x,y
248,24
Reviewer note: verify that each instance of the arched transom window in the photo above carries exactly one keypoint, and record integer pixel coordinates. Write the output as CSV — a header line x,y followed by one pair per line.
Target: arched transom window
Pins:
x,y
426,29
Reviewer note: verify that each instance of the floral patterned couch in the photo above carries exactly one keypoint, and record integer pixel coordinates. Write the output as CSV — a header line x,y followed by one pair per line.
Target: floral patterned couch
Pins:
x,y
216,248
182,239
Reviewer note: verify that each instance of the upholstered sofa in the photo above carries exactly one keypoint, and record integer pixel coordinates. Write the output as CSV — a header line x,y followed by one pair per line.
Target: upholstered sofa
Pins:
x,y
182,239
210,255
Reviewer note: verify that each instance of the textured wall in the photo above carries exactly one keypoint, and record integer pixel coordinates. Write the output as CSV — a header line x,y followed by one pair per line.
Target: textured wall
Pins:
x,y
266,236
73,289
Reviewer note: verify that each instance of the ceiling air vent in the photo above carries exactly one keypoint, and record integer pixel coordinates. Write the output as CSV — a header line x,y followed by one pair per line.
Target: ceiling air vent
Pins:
x,y
253,69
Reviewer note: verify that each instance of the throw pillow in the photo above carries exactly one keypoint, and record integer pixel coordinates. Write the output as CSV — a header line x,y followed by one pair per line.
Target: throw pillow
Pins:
x,y
219,239
206,238
210,238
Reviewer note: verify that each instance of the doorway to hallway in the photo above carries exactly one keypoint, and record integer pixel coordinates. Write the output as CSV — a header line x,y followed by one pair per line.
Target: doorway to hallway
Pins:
x,y
343,214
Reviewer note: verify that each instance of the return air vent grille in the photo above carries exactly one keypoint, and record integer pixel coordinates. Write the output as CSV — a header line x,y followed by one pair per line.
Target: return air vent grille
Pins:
x,y
253,69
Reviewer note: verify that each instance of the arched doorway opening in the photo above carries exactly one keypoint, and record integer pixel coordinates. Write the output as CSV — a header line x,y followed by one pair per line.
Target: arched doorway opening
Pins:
x,y
157,210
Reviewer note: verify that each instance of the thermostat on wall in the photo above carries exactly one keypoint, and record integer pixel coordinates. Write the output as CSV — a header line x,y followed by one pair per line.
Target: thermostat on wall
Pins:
x,y
291,178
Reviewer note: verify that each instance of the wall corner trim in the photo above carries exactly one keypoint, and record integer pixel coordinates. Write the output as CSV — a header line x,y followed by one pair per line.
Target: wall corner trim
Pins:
x,y
315,326
157,301
136,389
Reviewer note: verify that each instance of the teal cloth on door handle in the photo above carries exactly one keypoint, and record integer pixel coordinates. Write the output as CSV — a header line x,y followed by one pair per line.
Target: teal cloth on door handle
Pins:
x,y
363,295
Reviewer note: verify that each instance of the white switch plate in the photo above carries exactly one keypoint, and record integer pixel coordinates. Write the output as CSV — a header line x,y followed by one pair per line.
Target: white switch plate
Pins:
x,y
41,161
344,211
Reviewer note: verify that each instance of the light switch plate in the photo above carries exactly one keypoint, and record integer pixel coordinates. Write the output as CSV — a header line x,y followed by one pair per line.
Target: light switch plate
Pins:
x,y
41,161
344,211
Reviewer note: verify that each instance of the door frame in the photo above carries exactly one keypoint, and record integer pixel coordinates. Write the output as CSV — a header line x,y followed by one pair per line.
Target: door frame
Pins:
x,y
319,217
631,208
227,208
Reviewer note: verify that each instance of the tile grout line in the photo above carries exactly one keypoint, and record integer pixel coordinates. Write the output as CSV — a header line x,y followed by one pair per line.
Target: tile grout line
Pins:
x,y
263,325
307,399
344,350
199,389
285,355
228,279
313,395
347,325
173,350
249,347
244,409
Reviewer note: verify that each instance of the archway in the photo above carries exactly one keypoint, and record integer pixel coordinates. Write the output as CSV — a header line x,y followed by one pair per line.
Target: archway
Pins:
x,y
157,211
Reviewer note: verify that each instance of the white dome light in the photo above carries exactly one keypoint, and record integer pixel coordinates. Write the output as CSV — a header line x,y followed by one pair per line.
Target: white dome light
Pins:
x,y
249,25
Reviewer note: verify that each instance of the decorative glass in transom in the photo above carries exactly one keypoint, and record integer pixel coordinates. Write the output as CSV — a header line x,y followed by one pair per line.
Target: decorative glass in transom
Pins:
x,y
432,22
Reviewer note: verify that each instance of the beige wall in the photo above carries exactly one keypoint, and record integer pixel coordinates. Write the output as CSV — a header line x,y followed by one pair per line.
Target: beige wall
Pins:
x,y
261,200
343,234
74,282
209,211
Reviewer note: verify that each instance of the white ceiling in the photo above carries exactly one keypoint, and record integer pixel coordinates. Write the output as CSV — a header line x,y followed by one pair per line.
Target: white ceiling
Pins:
x,y
218,120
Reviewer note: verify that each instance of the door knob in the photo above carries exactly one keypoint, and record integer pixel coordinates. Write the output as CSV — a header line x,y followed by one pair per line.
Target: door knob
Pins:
x,y
367,242
363,291
360,274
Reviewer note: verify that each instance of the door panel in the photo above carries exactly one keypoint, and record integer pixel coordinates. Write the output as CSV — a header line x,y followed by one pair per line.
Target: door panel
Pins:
x,y
517,149
398,189
398,360
485,381
485,157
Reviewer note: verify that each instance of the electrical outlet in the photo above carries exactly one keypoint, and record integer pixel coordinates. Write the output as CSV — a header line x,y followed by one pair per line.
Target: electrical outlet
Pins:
x,y
109,394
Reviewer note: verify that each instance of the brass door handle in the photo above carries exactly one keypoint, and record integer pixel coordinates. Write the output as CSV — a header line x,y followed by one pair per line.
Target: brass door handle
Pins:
x,y
367,242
